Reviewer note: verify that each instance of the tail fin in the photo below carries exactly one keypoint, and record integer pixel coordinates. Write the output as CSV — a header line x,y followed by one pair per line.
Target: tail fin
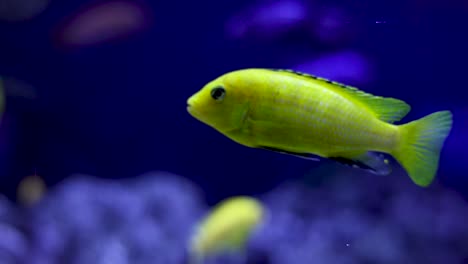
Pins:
x,y
421,142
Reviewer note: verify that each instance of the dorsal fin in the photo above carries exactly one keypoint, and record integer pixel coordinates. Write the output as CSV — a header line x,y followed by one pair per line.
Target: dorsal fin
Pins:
x,y
385,108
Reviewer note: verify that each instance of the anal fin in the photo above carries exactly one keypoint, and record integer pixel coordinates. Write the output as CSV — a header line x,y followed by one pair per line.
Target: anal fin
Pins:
x,y
375,163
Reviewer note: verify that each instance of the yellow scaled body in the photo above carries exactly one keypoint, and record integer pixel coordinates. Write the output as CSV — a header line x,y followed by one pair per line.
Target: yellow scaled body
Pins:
x,y
226,228
304,115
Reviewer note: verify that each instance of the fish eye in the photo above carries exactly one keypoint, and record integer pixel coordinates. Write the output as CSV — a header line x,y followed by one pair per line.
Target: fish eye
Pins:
x,y
218,93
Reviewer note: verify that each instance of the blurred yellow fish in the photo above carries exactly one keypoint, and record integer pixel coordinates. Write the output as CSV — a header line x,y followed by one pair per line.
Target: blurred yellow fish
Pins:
x,y
311,117
227,228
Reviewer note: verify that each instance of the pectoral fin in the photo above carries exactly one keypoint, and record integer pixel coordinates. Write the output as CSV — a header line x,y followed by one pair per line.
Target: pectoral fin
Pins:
x,y
373,162
300,155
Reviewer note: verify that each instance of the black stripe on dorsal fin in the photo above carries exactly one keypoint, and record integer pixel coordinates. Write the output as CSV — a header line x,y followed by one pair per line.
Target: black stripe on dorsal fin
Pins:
x,y
303,74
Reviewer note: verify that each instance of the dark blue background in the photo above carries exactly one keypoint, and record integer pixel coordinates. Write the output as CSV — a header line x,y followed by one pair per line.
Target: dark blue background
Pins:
x,y
117,109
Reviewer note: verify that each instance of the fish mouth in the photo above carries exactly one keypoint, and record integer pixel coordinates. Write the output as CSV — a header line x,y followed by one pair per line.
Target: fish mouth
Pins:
x,y
192,107
189,105
188,102
191,110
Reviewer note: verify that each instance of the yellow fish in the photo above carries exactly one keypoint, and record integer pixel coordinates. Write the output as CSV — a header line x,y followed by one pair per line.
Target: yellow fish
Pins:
x,y
312,117
226,228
